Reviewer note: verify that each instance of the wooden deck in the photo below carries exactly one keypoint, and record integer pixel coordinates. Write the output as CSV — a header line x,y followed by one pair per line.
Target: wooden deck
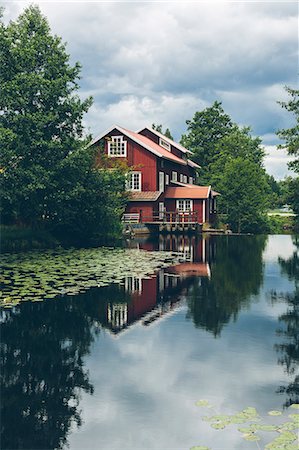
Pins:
x,y
167,222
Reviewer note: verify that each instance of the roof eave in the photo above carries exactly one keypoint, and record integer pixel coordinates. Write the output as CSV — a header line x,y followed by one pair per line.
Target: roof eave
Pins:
x,y
170,141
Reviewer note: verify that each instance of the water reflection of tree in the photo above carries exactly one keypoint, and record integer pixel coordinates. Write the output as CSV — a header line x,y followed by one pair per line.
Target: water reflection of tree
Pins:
x,y
236,275
289,348
42,350
43,346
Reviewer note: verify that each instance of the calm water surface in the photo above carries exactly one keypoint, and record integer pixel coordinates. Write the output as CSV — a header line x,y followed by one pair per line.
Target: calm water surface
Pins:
x,y
121,367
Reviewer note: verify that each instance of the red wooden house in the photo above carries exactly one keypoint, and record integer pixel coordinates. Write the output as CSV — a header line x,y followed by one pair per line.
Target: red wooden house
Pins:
x,y
162,181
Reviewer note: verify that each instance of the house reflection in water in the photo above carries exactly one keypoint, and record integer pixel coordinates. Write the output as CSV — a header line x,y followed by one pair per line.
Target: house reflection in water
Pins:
x,y
146,300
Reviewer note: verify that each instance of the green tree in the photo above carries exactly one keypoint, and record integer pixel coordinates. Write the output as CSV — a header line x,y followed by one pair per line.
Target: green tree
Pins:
x,y
204,132
291,138
158,128
238,144
244,195
291,135
88,200
238,158
40,114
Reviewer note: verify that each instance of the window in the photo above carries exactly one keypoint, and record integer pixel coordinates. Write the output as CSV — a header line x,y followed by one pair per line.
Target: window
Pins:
x,y
190,180
134,182
117,146
166,179
184,205
174,176
164,144
185,179
161,181
117,314
181,178
133,284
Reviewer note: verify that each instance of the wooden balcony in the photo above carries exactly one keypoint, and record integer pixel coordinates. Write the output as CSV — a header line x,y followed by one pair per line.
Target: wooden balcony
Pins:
x,y
169,222
167,217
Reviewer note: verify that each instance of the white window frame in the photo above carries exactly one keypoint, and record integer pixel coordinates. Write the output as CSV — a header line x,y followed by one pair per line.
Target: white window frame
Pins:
x,y
117,147
190,180
166,179
163,143
161,181
184,205
185,179
174,176
181,178
131,181
133,284
161,210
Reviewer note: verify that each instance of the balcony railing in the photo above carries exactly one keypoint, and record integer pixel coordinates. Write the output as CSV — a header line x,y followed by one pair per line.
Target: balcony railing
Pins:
x,y
162,217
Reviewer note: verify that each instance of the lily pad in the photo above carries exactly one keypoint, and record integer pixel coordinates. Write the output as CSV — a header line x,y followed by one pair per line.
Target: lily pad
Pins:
x,y
40,274
200,447
275,413
202,403
251,437
295,406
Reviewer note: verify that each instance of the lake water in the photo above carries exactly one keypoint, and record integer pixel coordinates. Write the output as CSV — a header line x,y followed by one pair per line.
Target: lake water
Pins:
x,y
121,366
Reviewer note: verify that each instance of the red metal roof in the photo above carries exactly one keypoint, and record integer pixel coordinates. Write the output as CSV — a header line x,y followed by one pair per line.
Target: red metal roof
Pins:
x,y
190,191
157,148
167,139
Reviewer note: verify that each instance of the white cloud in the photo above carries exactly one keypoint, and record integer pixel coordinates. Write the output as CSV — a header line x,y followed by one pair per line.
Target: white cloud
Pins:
x,y
162,61
276,162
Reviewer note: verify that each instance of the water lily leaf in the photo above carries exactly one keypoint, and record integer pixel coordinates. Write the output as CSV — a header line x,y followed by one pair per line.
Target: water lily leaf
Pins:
x,y
220,417
218,426
202,403
200,447
39,274
275,413
245,430
207,419
295,406
267,427
295,418
251,437
288,426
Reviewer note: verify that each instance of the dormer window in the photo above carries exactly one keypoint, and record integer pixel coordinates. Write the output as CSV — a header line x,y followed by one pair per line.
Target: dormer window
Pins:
x,y
117,147
164,144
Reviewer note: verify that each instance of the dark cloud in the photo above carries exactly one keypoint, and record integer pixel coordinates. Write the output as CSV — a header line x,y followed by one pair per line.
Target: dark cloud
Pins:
x,y
160,62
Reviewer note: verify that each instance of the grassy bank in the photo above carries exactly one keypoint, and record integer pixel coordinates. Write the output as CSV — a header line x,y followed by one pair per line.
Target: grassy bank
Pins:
x,y
14,238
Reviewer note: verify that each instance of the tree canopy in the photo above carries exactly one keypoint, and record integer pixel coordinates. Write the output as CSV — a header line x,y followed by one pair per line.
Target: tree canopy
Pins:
x,y
48,176
291,135
291,144
203,133
231,160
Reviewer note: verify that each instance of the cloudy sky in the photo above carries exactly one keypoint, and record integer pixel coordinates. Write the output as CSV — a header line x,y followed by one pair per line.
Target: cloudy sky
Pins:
x,y
146,62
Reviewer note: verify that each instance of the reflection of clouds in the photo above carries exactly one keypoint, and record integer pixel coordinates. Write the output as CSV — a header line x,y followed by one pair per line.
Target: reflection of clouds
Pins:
x,y
146,385
147,381
278,246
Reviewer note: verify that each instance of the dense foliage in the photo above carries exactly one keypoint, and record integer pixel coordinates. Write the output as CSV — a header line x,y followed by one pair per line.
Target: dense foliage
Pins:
x,y
232,162
291,144
48,179
291,135
204,132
